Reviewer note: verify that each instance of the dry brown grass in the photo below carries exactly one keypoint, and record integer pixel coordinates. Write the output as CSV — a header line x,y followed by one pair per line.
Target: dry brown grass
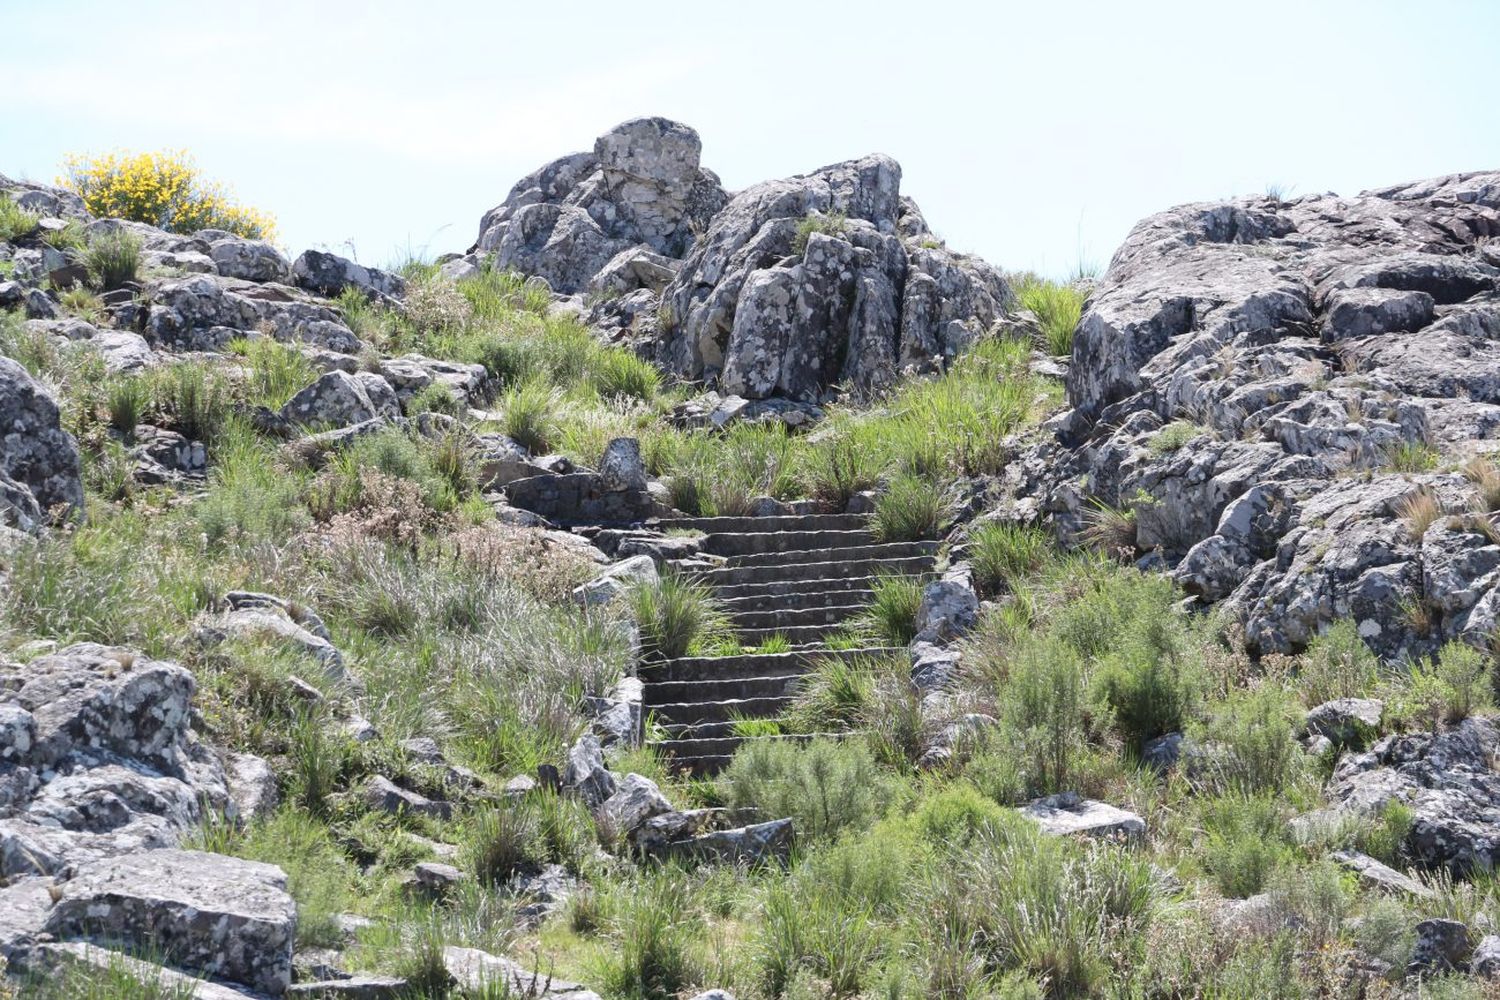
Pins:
x,y
544,568
1486,479
1419,510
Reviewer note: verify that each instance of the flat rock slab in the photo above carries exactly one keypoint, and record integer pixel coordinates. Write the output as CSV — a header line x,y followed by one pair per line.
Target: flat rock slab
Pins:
x,y
224,917
52,958
1381,876
1070,813
353,988
476,970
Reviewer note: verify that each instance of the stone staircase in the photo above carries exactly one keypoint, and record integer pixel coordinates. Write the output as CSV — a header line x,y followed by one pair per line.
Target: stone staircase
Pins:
x,y
799,577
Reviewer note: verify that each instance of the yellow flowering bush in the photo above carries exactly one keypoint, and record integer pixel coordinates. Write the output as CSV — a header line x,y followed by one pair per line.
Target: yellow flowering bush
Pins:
x,y
162,189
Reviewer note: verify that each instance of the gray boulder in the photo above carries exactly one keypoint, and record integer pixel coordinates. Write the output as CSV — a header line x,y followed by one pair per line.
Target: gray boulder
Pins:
x,y
250,260
616,580
329,274
224,917
1346,722
1221,315
338,399
586,774
1442,946
40,471
621,467
1485,962
635,800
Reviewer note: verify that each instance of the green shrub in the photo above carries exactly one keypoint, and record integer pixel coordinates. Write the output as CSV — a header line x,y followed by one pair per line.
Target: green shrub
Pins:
x,y
435,398
825,786
891,618
1057,307
1245,842
113,258
1152,680
1252,741
957,814
1383,835
1002,553
910,510
676,615
831,223
251,496
1412,456
1337,664
1043,702
1173,436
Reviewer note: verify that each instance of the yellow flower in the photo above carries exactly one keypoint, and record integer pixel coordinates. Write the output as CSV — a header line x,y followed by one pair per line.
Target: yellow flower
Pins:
x,y
162,189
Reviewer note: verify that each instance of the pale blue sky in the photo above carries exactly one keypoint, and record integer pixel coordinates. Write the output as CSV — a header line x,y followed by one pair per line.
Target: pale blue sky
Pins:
x,y
1029,133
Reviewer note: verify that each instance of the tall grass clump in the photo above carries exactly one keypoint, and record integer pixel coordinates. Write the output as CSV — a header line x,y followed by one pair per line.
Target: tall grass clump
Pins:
x,y
619,374
277,371
1003,553
15,221
113,258
910,510
655,929
195,398
891,618
529,415
676,615
1057,307
126,401
1337,664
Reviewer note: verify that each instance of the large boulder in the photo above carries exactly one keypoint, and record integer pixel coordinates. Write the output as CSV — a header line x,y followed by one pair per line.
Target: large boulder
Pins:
x,y
40,471
641,189
339,399
225,917
825,277
328,275
99,759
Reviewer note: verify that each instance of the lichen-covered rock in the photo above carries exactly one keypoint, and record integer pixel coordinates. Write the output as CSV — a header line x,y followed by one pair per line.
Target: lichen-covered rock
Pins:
x,y
476,971
250,260
225,917
586,774
1445,779
40,471
616,580
1346,722
329,274
621,467
338,399
1442,945
635,800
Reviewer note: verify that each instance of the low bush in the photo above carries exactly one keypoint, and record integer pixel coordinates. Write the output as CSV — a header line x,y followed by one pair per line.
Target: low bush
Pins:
x,y
194,398
825,786
1252,736
1244,842
1002,553
1151,681
1337,664
277,371
1044,704
16,223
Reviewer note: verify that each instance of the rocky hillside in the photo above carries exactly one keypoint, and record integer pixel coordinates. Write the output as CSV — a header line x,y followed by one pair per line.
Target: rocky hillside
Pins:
x,y
687,591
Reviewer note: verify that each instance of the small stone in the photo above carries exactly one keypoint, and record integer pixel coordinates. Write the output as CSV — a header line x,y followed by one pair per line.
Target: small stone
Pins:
x,y
384,795
1442,946
435,879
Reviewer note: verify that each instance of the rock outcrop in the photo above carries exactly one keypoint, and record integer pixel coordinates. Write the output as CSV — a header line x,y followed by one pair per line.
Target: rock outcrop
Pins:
x,y
40,471
1316,356
781,291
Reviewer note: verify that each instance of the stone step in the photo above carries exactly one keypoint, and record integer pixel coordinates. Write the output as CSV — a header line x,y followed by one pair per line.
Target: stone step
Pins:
x,y
802,572
727,689
875,550
798,635
749,664
696,713
780,591
781,522
751,543
793,612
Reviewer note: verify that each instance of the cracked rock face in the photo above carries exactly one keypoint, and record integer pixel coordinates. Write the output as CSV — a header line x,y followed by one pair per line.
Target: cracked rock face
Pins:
x,y
39,466
1308,345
